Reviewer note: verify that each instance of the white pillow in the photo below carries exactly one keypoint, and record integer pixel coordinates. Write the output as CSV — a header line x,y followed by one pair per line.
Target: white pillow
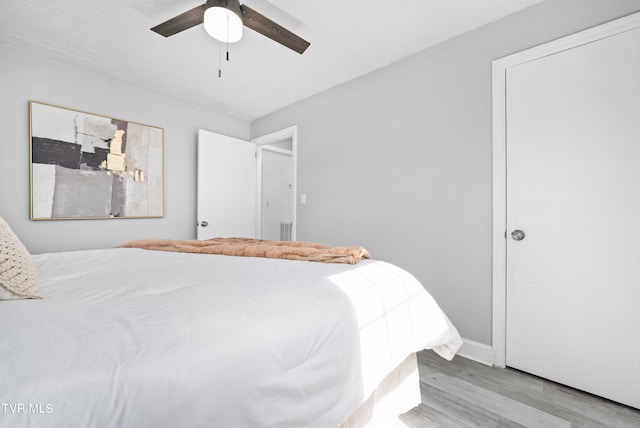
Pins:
x,y
18,278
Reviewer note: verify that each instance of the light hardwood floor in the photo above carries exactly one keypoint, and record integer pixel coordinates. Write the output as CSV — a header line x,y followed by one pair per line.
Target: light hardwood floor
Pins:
x,y
463,393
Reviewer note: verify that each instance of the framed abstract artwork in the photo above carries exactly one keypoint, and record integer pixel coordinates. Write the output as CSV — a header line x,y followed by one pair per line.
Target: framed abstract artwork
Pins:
x,y
86,165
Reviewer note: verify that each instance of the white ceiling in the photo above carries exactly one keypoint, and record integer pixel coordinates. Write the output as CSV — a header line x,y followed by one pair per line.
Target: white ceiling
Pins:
x,y
348,38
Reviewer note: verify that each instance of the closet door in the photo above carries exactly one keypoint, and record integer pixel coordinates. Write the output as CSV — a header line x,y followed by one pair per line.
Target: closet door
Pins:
x,y
573,217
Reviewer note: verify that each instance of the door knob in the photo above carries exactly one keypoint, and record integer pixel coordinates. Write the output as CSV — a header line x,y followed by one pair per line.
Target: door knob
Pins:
x,y
517,235
204,223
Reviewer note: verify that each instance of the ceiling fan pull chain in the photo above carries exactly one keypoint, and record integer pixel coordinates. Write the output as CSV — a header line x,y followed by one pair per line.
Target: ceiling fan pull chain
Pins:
x,y
219,60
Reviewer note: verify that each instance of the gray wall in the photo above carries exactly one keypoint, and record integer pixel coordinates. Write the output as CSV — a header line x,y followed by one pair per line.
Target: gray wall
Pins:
x,y
400,160
24,77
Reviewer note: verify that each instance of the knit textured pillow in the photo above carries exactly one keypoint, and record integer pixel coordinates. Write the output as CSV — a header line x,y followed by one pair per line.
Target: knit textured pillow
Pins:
x,y
18,279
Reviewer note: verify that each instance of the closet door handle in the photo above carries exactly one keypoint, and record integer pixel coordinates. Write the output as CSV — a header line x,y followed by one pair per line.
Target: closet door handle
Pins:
x,y
517,235
204,223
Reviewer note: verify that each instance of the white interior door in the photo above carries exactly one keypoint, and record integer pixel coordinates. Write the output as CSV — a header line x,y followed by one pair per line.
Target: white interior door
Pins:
x,y
226,186
573,188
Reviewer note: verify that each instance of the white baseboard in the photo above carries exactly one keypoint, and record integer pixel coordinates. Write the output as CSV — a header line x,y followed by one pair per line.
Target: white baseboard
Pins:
x,y
476,351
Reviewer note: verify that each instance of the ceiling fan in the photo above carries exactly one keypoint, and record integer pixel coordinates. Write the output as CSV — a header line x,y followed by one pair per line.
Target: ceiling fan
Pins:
x,y
224,19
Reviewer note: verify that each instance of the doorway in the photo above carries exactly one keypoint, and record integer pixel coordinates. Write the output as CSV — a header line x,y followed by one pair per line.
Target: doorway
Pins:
x,y
276,204
246,188
277,185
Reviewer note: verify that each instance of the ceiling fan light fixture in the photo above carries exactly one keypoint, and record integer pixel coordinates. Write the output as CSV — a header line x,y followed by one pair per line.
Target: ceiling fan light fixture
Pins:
x,y
223,20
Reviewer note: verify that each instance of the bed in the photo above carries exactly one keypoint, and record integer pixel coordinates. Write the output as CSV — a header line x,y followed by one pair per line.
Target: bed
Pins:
x,y
128,337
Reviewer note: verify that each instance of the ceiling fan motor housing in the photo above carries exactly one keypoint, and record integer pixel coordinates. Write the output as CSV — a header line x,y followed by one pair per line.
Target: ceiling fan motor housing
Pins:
x,y
223,20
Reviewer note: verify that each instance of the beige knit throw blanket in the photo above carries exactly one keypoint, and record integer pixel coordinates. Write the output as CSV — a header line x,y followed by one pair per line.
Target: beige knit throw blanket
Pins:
x,y
290,250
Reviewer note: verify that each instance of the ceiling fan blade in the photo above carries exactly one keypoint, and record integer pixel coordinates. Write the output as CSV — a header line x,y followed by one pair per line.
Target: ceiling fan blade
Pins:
x,y
265,26
182,22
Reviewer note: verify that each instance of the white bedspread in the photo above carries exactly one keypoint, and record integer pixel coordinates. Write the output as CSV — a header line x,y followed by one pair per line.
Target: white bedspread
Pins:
x,y
136,338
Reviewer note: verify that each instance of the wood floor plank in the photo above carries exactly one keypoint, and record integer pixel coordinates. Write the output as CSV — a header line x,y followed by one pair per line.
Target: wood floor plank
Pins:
x,y
463,393
511,410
